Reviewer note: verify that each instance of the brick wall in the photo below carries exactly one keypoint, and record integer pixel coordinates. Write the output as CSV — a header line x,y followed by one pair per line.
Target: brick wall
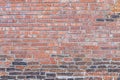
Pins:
x,y
59,40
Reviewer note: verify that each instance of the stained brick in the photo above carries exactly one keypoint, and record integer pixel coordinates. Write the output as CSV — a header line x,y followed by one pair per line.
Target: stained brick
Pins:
x,y
15,73
102,66
50,66
118,78
18,60
19,63
77,59
8,77
100,19
109,19
49,79
83,63
11,69
93,66
21,77
115,16
90,70
31,73
2,69
79,79
113,70
51,75
33,63
63,66
31,77
65,74
70,79
40,77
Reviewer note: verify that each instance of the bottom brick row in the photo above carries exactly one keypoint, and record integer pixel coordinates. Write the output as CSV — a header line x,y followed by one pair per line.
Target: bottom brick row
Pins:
x,y
78,70
62,78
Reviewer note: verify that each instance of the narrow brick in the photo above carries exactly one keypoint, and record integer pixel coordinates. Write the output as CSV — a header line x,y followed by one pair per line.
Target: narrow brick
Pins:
x,y
8,77
31,73
118,78
79,78
109,20
100,19
70,79
15,73
30,77
21,77
113,70
40,77
19,63
51,75
87,1
115,16
2,69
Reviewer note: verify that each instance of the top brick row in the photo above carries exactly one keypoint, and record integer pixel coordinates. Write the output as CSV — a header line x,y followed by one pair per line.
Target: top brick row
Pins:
x,y
82,1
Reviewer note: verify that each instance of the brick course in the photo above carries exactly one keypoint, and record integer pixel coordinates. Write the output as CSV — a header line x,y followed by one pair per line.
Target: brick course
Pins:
x,y
59,40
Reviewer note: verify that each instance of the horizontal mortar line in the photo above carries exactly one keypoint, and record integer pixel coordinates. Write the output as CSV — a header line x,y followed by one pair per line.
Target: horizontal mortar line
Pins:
x,y
60,2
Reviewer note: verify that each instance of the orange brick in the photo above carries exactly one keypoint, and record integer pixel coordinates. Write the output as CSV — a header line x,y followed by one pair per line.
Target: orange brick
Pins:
x,y
41,55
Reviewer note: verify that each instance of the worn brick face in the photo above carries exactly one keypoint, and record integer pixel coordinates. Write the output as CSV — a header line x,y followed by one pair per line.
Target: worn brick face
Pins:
x,y
59,39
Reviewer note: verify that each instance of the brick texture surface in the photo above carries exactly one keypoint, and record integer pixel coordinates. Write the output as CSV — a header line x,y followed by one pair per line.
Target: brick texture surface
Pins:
x,y
59,40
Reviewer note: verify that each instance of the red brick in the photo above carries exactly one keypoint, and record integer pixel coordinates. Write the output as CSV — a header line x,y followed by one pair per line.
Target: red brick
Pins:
x,y
87,1
51,1
91,47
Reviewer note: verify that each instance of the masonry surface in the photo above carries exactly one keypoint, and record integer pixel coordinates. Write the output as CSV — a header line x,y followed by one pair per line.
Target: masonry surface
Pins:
x,y
59,40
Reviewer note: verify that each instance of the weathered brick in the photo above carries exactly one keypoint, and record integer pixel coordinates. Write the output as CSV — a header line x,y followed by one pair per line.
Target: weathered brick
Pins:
x,y
113,70
49,79
77,59
65,74
40,77
2,69
8,77
118,78
115,16
79,79
100,19
15,73
93,66
90,70
11,69
31,77
70,79
63,66
50,75
21,77
31,73
19,63
50,66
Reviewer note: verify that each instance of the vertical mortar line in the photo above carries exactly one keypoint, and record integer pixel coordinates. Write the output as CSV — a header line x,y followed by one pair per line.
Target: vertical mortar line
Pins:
x,y
108,35
111,34
39,61
23,33
91,51
29,29
13,29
